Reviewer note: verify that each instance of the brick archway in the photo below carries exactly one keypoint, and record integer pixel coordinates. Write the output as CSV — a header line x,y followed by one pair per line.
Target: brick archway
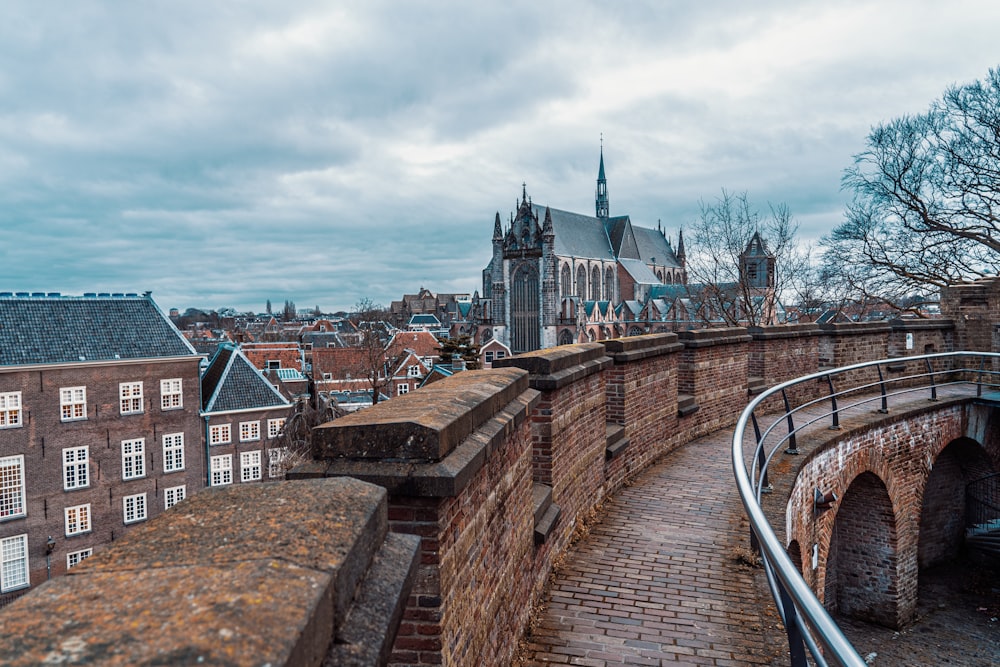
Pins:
x,y
863,560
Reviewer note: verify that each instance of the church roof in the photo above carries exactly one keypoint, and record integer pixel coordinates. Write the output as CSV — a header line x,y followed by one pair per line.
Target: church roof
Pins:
x,y
639,272
52,329
578,235
653,247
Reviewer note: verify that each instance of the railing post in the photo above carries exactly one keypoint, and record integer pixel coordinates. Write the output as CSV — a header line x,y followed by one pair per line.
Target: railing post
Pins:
x,y
930,376
979,377
792,447
765,486
881,386
835,426
796,648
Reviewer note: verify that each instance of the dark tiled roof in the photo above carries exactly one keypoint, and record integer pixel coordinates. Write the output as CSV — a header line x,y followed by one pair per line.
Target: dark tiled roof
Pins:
x,y
231,382
653,246
56,330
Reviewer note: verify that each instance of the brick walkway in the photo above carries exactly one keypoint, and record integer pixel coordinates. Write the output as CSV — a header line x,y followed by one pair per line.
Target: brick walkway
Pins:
x,y
657,581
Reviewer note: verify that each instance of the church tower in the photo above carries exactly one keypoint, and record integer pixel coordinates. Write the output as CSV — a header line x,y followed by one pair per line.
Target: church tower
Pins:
x,y
601,201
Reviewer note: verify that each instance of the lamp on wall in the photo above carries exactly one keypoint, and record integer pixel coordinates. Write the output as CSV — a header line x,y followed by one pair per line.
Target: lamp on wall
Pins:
x,y
50,545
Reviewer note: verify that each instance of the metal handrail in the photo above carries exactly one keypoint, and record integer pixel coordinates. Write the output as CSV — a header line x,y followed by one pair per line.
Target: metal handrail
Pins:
x,y
807,623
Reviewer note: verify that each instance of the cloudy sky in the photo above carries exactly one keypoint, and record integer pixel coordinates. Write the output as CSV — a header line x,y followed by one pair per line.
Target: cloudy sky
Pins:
x,y
224,153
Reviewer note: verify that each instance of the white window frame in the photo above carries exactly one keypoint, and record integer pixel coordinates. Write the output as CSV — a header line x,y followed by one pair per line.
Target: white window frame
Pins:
x,y
488,357
221,470
220,434
250,431
171,394
77,519
173,452
402,388
275,462
274,427
14,569
12,498
76,467
173,495
72,404
130,401
133,458
10,410
413,371
74,558
250,468
134,508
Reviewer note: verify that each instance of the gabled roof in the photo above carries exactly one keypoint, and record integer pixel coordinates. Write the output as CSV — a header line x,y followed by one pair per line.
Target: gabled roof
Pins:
x,y
578,235
424,343
58,330
623,240
653,248
639,272
231,383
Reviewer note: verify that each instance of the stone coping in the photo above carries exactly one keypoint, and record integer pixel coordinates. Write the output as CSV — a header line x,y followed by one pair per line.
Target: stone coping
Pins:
x,y
637,348
431,479
858,328
423,426
698,338
785,331
922,325
246,574
556,367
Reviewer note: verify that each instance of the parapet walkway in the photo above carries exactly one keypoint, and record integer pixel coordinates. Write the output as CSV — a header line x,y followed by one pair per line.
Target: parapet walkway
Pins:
x,y
659,581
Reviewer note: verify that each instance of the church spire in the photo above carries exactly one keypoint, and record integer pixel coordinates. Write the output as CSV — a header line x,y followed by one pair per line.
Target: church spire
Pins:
x,y
601,201
680,246
497,231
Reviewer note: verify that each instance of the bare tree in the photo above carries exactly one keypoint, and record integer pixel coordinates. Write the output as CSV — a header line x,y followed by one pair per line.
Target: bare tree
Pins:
x,y
369,320
717,262
926,198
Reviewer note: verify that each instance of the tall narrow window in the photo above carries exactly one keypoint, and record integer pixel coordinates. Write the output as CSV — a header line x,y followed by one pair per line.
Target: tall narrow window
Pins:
x,y
11,486
250,466
76,474
133,458
10,409
221,468
173,452
249,431
171,394
13,563
130,397
274,427
73,403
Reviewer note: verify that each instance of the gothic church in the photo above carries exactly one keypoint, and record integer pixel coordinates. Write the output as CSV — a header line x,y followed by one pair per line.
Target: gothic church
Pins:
x,y
558,277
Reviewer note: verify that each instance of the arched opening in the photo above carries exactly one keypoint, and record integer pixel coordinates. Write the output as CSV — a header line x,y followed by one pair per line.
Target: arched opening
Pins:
x,y
862,582
524,318
565,281
565,337
795,554
609,284
943,512
595,284
581,282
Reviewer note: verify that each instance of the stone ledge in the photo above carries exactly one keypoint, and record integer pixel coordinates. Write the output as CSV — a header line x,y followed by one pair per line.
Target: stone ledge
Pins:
x,y
686,405
700,338
551,361
424,425
921,325
249,574
437,479
616,442
637,348
852,328
784,331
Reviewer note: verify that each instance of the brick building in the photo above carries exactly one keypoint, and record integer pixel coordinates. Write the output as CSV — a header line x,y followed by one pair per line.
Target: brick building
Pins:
x,y
99,427
244,414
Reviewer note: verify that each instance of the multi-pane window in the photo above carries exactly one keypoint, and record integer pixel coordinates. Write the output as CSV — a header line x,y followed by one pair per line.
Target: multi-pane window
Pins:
x,y
402,389
276,461
77,519
133,458
10,409
134,507
11,487
73,403
171,394
173,495
413,371
75,468
220,435
274,427
76,557
249,431
221,468
13,563
173,452
250,466
130,397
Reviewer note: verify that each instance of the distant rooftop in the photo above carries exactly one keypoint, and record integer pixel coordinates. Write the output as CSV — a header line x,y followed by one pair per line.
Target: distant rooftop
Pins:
x,y
48,328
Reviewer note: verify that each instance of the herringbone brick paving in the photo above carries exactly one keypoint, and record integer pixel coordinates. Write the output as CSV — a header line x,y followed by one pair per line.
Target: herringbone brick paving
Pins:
x,y
657,581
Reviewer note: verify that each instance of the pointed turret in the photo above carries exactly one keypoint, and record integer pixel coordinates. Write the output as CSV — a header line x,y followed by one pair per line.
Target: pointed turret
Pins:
x,y
547,229
497,230
601,201
680,246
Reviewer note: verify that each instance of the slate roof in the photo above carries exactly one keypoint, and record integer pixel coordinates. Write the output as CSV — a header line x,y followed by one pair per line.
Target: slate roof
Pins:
x,y
652,245
59,330
578,235
231,383
425,319
639,271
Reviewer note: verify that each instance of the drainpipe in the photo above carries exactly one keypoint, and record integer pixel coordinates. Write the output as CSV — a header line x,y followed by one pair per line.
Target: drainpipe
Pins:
x,y
208,469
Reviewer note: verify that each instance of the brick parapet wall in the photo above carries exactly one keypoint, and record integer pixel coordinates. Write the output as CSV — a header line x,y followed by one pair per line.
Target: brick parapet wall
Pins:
x,y
975,309
641,394
782,353
713,370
